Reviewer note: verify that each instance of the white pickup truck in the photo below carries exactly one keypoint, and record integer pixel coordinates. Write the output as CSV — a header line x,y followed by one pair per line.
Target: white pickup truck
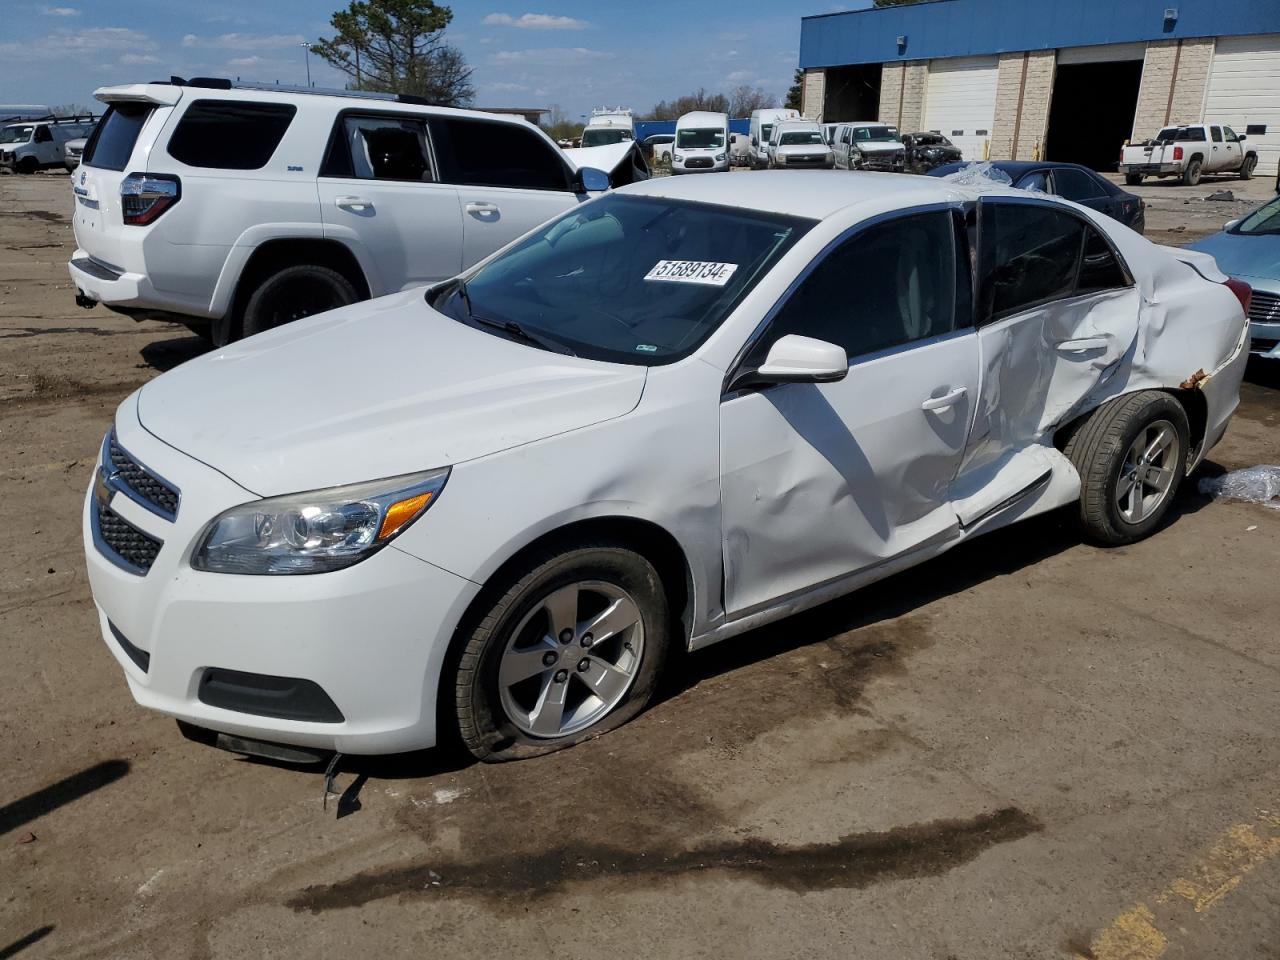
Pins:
x,y
1186,152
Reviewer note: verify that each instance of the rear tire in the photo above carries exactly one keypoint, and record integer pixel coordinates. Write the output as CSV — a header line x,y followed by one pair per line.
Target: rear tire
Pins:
x,y
1191,175
516,660
1133,179
1131,454
293,293
1246,168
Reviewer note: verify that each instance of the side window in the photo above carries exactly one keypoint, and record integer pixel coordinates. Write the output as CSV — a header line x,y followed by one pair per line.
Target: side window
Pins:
x,y
379,148
1075,185
485,154
1216,133
230,134
42,135
1036,180
1029,256
1231,135
1197,133
1099,269
889,284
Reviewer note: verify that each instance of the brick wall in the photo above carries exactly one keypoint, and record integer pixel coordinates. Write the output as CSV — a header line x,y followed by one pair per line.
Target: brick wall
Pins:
x,y
902,91
814,91
1155,106
1027,120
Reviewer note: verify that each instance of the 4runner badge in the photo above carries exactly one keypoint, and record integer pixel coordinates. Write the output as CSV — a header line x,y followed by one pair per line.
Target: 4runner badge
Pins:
x,y
82,178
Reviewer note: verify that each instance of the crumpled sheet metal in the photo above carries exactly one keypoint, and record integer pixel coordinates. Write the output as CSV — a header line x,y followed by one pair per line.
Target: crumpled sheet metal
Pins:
x,y
1260,484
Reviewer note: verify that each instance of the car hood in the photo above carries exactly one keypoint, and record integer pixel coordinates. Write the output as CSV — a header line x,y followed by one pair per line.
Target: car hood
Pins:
x,y
374,390
1244,255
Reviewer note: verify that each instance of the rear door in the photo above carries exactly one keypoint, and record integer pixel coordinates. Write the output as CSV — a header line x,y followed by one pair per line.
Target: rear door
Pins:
x,y
508,178
1083,189
380,193
822,480
1218,158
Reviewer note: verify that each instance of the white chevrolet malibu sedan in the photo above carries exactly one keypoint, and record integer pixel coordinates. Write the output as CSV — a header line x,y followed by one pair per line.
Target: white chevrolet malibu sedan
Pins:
x,y
490,509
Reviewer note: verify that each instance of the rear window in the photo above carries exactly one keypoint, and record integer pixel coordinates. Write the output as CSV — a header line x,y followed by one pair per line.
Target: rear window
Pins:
x,y
1184,134
229,134
115,135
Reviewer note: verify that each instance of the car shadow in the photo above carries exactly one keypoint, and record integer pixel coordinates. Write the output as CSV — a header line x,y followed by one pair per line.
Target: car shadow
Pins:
x,y
1263,373
164,355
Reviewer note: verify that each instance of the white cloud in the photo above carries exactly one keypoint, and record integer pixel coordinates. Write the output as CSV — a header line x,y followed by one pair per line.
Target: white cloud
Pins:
x,y
137,59
508,87
92,41
245,61
535,21
61,12
244,41
740,76
549,56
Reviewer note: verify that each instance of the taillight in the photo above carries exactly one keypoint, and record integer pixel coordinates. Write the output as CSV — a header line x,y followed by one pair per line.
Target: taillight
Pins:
x,y
1177,153
1243,292
144,196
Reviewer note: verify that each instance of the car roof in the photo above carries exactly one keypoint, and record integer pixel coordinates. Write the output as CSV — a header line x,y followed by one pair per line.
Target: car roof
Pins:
x,y
702,116
815,194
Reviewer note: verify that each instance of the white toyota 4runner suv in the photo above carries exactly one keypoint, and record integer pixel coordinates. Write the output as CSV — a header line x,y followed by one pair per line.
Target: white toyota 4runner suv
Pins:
x,y
235,209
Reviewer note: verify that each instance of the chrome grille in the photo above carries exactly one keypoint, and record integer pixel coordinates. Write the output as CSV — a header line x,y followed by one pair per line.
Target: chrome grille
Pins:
x,y
1264,308
127,542
162,498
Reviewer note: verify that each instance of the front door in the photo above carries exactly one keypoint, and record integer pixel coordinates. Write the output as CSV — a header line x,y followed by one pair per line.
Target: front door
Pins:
x,y
821,480
379,193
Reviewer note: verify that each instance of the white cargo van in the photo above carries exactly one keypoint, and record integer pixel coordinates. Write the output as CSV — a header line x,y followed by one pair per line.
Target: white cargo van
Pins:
x,y
762,122
608,125
36,145
702,143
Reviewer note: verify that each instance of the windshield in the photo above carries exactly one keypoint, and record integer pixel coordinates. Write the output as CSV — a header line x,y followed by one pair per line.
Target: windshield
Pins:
x,y
873,134
931,140
1181,133
1266,219
15,134
603,136
640,280
800,136
694,139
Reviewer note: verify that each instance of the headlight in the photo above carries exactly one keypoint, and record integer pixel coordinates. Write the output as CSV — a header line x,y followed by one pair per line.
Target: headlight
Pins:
x,y
318,531
719,158
677,158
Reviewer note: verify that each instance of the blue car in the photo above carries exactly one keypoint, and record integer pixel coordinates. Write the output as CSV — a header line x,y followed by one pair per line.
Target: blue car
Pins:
x,y
1070,181
1249,248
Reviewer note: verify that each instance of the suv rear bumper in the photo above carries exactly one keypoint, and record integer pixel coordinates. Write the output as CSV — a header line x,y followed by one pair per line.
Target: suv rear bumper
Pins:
x,y
103,283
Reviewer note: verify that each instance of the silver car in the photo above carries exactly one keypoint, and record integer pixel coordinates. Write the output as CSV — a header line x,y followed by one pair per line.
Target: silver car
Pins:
x,y
1249,248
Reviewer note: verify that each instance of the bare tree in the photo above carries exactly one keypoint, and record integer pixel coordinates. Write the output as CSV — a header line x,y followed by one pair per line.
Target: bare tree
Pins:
x,y
744,99
715,102
398,46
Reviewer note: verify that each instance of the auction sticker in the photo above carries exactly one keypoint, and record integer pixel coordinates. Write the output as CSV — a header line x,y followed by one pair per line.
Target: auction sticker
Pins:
x,y
692,271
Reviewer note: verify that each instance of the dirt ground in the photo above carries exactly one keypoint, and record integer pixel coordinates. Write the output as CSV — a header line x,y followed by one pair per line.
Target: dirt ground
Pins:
x,y
1028,748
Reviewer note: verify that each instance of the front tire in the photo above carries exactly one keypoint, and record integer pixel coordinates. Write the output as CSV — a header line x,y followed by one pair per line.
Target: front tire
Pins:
x,y
1246,168
293,293
1131,454
27,165
572,647
1133,179
1191,175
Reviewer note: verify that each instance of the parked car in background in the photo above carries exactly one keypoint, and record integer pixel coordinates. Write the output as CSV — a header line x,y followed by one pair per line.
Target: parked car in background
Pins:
x,y
739,149
1187,152
924,151
608,125
798,143
1249,248
72,151
37,145
869,146
1069,180
444,516
761,129
235,210
702,143
659,146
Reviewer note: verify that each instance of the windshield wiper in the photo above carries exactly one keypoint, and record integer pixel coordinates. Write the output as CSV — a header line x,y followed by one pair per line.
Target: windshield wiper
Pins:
x,y
510,327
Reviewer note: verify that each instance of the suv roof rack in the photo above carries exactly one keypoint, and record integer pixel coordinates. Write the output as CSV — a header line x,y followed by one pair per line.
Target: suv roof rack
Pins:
x,y
224,83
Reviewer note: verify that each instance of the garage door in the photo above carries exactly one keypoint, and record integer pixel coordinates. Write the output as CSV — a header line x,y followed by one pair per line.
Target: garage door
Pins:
x,y
960,102
1244,91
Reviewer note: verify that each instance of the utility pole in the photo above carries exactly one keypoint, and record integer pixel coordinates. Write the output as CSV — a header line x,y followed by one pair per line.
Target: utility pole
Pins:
x,y
307,47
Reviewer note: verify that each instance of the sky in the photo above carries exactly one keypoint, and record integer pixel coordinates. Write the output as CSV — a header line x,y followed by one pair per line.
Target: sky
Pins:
x,y
571,53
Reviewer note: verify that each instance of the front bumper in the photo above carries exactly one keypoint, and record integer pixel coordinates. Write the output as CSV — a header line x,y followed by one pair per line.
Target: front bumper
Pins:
x,y
1265,340
371,638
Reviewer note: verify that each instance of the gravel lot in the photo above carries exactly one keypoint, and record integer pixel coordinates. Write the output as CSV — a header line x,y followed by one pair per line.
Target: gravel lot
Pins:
x,y
1028,748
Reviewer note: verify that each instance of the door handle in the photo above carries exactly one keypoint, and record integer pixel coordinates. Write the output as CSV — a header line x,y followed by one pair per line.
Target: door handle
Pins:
x,y
944,401
478,209
353,203
1081,344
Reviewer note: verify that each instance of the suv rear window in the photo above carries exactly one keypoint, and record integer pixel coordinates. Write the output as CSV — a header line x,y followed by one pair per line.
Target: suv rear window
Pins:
x,y
230,134
111,144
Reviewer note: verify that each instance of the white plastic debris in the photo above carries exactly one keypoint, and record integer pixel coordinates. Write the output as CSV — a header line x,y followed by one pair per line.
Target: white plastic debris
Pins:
x,y
980,174
1260,484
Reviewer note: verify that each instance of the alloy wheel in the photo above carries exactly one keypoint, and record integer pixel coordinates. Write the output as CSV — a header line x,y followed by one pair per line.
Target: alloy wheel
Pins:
x,y
1146,475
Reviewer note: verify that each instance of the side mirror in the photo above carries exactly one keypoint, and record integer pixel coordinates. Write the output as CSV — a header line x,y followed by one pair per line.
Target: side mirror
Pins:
x,y
797,359
590,180
1242,137
1230,223
755,141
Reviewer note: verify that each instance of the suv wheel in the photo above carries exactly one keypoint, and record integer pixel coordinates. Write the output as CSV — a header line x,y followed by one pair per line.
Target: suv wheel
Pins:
x,y
572,648
294,293
1191,175
1131,454
1246,168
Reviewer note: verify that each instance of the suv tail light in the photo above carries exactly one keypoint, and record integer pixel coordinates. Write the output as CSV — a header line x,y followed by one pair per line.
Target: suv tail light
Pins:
x,y
1177,153
1243,292
144,196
